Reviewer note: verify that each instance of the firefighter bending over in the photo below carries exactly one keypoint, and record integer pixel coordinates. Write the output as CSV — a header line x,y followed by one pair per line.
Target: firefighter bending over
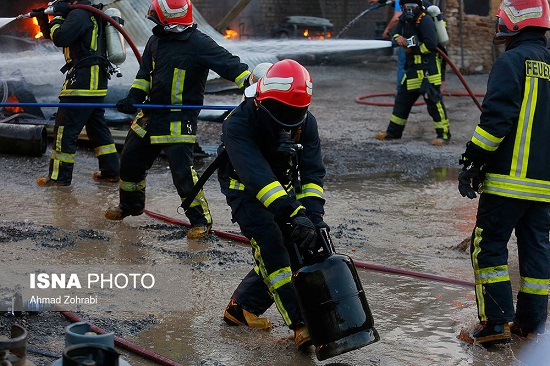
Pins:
x,y
174,69
509,155
81,34
416,33
273,182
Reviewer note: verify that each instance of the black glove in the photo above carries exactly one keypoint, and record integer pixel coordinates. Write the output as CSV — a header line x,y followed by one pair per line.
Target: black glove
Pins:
x,y
126,105
317,220
61,8
304,234
470,178
43,21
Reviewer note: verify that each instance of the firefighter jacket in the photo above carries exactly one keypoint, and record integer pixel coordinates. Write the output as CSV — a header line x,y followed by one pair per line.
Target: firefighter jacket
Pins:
x,y
422,60
512,137
174,70
256,168
80,33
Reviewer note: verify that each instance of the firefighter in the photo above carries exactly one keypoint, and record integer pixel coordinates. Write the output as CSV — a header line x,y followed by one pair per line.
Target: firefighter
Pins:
x,y
416,33
508,154
273,182
174,69
81,35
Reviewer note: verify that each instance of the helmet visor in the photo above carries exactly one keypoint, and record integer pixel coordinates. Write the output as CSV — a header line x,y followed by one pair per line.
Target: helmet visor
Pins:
x,y
502,33
283,114
152,15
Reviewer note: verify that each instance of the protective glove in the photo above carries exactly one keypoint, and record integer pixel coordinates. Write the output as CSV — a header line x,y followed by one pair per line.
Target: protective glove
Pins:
x,y
61,8
126,105
318,222
304,234
43,21
470,178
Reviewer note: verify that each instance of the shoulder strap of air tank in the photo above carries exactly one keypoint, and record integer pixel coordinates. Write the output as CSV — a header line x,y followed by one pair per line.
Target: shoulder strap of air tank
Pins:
x,y
419,19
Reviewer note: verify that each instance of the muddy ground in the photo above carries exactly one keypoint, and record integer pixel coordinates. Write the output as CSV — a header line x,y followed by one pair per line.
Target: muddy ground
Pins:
x,y
390,203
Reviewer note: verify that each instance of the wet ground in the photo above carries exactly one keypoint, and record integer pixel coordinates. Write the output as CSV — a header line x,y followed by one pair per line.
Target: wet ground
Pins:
x,y
392,204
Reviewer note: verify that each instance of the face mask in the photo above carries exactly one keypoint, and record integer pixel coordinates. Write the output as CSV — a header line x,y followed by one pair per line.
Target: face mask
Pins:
x,y
411,11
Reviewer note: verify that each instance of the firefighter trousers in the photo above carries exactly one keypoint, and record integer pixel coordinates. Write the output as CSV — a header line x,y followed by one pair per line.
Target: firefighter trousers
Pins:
x,y
138,157
497,216
68,125
270,280
404,101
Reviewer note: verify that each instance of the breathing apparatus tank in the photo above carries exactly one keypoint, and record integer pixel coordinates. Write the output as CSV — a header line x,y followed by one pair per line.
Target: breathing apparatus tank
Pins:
x,y
333,302
116,49
442,35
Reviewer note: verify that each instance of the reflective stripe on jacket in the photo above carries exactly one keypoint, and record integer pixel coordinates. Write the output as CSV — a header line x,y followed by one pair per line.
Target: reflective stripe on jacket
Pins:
x,y
81,38
174,70
513,134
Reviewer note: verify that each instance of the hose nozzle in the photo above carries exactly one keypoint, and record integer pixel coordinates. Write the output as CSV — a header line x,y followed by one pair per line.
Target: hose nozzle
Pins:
x,y
34,14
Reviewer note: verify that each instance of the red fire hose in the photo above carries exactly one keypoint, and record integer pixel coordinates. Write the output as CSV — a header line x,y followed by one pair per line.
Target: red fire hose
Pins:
x,y
358,264
361,98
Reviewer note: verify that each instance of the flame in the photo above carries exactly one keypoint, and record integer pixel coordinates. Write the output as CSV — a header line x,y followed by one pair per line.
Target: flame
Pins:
x,y
230,34
316,35
36,30
13,99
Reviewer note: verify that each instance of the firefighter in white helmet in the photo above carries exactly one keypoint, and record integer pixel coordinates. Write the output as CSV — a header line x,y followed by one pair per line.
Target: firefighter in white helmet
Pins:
x,y
174,69
509,156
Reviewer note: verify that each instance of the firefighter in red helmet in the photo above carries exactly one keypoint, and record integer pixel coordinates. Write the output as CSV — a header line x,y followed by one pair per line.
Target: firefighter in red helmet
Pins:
x,y
273,182
507,158
174,69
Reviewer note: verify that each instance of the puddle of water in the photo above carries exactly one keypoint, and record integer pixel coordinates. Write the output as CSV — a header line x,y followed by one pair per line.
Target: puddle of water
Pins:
x,y
388,220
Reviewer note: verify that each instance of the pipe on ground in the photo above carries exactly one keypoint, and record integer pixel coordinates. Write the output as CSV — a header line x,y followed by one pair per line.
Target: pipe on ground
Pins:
x,y
23,139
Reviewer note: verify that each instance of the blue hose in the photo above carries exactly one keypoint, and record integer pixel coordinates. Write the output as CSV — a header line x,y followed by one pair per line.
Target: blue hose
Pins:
x,y
107,105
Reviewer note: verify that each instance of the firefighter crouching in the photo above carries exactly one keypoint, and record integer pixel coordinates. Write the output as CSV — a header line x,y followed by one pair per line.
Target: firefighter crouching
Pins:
x,y
174,69
416,33
81,35
273,182
509,154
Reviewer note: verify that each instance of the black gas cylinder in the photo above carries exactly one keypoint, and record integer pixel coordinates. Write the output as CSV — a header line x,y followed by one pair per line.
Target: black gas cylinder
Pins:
x,y
333,302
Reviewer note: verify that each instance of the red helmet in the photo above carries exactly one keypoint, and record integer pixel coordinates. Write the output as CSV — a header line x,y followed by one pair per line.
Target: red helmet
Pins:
x,y
514,15
167,12
288,82
285,92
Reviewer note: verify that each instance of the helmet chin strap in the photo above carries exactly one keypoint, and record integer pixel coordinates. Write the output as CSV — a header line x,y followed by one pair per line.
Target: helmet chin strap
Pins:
x,y
176,28
285,125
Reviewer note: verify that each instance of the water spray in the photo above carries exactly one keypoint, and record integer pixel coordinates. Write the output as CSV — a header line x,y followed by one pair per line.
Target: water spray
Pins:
x,y
5,21
374,7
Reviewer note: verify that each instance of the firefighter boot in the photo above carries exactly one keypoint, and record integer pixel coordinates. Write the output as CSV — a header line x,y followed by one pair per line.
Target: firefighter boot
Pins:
x,y
521,332
99,177
384,136
443,138
200,231
48,182
301,337
491,334
236,315
117,213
